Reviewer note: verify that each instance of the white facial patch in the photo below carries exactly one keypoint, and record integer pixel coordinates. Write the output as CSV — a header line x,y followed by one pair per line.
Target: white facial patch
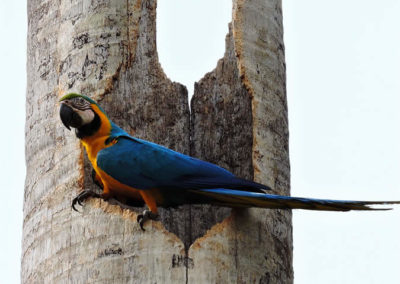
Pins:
x,y
86,115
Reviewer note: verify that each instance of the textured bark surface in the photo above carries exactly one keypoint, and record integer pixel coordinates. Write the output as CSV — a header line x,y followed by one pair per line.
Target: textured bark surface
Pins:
x,y
239,121
107,49
221,126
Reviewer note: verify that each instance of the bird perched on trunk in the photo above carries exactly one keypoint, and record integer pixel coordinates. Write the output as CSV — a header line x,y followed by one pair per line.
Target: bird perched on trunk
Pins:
x,y
140,170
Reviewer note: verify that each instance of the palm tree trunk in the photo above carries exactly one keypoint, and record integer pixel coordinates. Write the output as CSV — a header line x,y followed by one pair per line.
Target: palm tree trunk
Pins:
x,y
107,50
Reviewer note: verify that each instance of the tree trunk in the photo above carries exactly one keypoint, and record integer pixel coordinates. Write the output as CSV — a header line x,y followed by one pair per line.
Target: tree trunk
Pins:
x,y
107,50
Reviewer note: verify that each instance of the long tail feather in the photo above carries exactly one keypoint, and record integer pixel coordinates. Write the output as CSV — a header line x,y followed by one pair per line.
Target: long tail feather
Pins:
x,y
237,198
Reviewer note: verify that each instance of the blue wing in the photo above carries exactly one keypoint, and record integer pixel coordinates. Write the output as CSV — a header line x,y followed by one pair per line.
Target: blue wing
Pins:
x,y
145,165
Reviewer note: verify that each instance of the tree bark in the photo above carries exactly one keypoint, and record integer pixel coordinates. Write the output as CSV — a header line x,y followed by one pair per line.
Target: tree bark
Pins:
x,y
107,50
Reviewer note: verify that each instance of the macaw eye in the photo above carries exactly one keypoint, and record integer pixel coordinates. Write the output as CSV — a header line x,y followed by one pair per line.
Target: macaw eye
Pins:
x,y
80,103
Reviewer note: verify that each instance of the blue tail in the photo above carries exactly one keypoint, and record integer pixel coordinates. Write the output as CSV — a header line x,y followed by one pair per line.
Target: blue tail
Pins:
x,y
238,198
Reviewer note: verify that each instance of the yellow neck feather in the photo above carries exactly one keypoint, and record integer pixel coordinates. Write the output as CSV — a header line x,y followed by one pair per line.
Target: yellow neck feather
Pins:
x,y
96,142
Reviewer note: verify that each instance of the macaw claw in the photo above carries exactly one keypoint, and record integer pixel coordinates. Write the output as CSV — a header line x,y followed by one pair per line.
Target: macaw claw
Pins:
x,y
83,196
147,215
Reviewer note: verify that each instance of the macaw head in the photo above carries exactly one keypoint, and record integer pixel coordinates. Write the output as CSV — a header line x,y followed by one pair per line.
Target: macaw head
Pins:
x,y
82,113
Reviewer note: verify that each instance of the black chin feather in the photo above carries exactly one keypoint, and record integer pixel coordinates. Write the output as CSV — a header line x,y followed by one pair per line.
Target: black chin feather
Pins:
x,y
89,129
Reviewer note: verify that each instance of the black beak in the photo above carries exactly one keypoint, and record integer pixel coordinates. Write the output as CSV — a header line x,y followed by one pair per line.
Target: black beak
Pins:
x,y
66,115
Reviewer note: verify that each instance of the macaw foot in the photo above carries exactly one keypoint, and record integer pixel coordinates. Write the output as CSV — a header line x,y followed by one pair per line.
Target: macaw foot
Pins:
x,y
83,196
147,215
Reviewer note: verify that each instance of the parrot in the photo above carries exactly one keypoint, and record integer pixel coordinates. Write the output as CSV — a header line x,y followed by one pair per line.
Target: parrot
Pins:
x,y
151,174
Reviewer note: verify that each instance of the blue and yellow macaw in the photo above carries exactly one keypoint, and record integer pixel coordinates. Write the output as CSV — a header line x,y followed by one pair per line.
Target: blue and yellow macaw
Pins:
x,y
143,171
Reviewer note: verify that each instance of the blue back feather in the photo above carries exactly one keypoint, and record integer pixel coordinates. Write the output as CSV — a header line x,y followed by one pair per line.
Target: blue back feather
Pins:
x,y
146,165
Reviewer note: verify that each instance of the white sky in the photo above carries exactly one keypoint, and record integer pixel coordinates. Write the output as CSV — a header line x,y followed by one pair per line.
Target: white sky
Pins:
x,y
343,67
12,117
